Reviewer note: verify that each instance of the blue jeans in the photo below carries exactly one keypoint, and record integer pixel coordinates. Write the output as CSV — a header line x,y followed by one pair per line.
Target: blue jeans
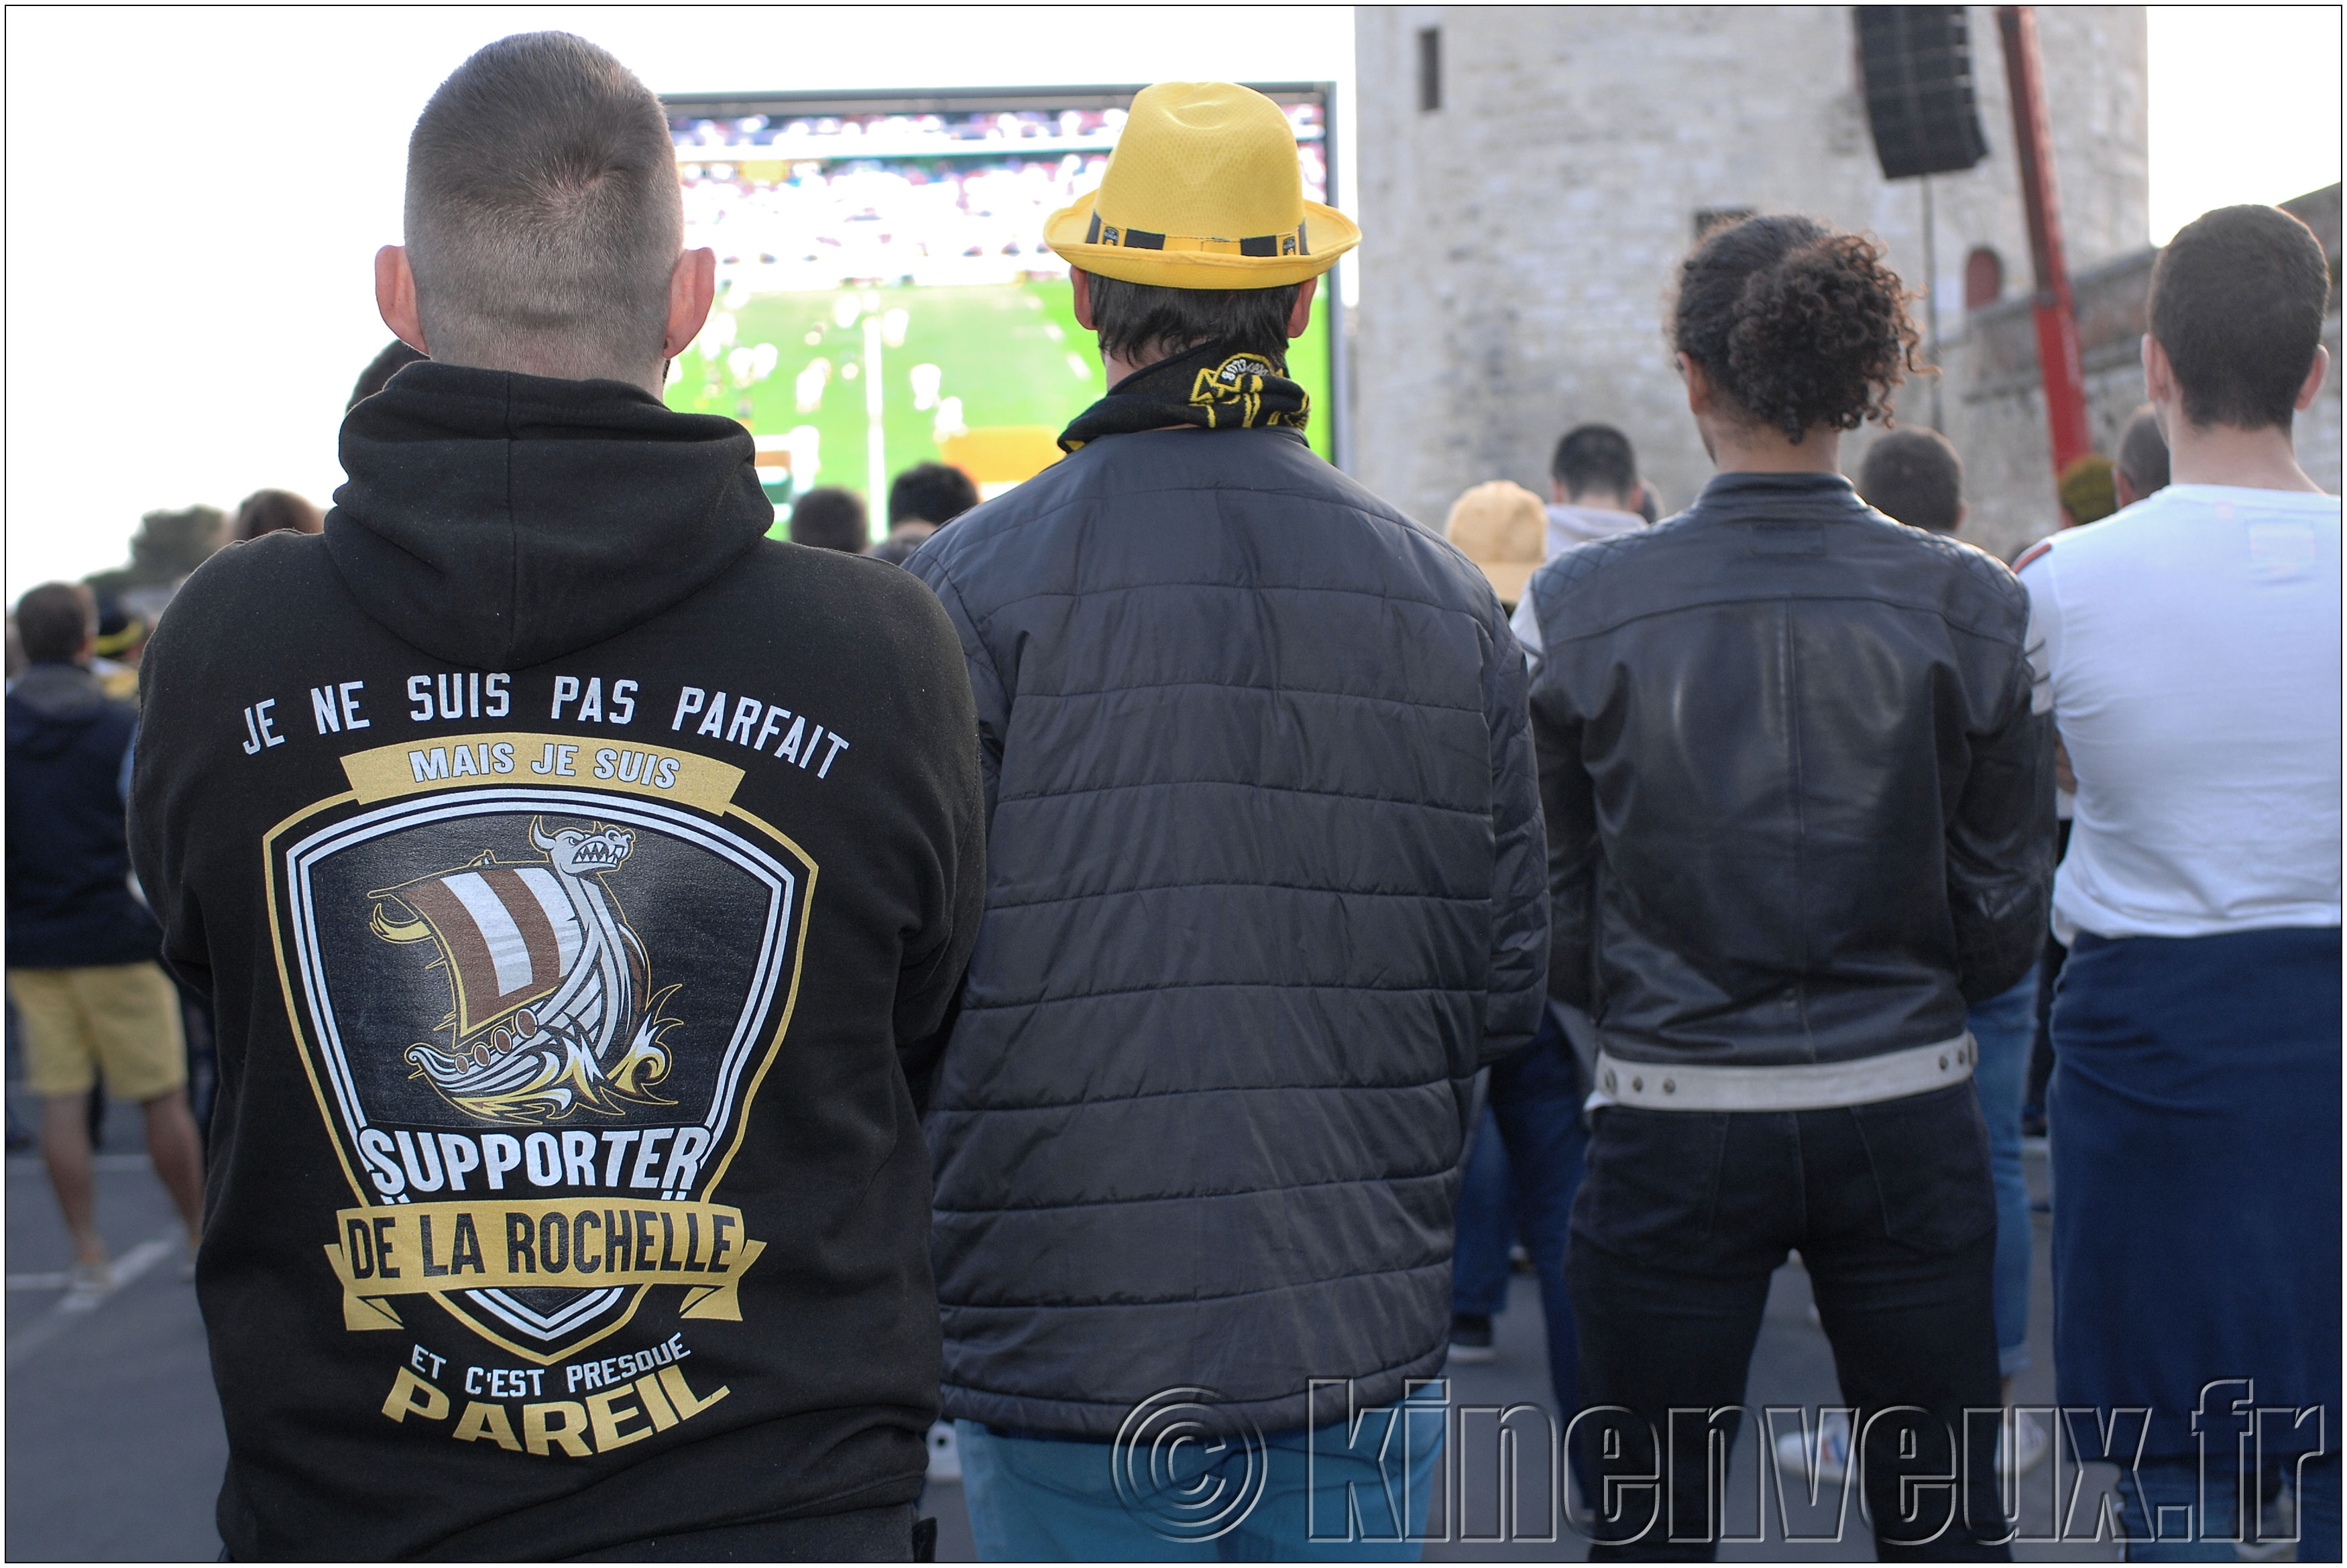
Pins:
x,y
2171,1491
1536,1097
2003,1028
1487,1228
1331,1495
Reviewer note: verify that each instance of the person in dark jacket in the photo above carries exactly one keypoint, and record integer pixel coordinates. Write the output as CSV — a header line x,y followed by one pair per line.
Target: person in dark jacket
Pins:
x,y
81,947
1263,895
1799,813
577,874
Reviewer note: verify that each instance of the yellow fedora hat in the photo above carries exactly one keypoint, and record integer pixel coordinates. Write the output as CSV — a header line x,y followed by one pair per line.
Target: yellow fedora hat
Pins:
x,y
1201,192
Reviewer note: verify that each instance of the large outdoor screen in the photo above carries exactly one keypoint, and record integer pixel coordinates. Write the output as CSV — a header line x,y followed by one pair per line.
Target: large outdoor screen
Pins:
x,y
885,296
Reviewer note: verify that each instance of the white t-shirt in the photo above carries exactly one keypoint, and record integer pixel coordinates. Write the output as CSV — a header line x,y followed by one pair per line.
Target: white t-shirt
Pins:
x,y
2188,649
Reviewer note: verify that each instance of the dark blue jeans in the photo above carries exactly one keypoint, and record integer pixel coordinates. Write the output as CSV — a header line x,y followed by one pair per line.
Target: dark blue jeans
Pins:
x,y
2001,1029
1487,1226
2171,1512
1535,1107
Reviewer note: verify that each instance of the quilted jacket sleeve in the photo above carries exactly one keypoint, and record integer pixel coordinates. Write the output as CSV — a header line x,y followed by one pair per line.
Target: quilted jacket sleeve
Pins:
x,y
1520,916
985,682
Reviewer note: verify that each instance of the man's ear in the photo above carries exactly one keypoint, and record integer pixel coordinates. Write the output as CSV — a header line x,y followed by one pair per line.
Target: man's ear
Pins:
x,y
1082,280
1556,490
2312,388
692,290
1963,509
394,296
1301,317
2158,382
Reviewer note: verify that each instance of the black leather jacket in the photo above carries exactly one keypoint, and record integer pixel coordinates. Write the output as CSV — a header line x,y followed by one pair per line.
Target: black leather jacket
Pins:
x,y
1798,810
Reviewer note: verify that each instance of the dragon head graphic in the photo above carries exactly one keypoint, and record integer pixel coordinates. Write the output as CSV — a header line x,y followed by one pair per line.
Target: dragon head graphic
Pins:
x,y
576,853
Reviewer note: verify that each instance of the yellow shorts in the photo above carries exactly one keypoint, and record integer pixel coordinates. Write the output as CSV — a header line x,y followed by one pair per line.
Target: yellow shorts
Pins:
x,y
123,1018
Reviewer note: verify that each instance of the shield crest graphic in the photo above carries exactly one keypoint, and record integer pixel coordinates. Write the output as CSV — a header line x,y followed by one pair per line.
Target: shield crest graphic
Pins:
x,y
536,1018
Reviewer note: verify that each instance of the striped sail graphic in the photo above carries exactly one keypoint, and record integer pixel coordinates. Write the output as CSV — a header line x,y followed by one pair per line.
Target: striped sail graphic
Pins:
x,y
550,1006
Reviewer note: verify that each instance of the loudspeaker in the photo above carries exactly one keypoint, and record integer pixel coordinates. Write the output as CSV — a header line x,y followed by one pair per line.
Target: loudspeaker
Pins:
x,y
1917,61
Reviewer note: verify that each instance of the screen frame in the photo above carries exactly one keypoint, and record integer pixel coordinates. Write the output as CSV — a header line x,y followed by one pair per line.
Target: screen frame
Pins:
x,y
800,104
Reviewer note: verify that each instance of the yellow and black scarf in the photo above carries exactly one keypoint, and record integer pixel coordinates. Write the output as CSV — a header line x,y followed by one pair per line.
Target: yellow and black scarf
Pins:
x,y
1215,387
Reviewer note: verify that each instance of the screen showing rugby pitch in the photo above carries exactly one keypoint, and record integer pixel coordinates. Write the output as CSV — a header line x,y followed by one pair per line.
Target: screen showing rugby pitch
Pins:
x,y
883,294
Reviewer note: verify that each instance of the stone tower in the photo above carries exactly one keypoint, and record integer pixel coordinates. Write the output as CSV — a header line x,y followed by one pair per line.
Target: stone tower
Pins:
x,y
1525,209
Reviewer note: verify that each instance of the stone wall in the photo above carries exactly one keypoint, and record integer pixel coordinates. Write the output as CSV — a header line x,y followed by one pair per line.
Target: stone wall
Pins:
x,y
1520,240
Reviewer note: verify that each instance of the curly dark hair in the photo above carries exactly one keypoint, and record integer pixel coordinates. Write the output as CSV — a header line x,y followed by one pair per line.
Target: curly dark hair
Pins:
x,y
1797,325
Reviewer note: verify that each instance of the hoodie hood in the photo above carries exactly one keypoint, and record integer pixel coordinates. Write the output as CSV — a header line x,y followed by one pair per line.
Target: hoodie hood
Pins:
x,y
1569,525
498,520
50,705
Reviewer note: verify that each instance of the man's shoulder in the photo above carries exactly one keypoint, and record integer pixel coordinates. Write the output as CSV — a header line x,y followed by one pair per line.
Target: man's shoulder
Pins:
x,y
1577,568
246,597
49,694
1971,571
857,600
1232,476
272,576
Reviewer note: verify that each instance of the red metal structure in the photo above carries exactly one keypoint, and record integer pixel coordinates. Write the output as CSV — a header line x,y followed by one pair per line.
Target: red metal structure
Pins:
x,y
2056,317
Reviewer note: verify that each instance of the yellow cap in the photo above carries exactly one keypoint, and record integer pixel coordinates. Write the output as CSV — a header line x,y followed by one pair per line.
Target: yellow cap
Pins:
x,y
1202,192
1502,528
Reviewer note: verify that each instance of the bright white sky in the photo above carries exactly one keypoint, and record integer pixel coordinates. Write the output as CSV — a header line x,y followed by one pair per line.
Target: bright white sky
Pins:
x,y
194,197
2244,107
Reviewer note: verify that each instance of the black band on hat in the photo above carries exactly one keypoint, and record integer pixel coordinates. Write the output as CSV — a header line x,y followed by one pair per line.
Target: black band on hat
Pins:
x,y
1269,245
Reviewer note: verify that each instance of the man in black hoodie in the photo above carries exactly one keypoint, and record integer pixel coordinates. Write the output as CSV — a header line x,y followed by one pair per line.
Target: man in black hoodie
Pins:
x,y
574,872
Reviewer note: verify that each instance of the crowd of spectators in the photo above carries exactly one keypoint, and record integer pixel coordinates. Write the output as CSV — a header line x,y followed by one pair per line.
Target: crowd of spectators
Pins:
x,y
1255,915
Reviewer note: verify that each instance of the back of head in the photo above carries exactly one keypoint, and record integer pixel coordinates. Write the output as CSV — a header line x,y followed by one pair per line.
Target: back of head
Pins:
x,y
1915,477
2237,301
273,512
2087,492
544,215
830,519
121,636
2142,455
930,492
1796,325
1595,459
1144,322
56,620
396,357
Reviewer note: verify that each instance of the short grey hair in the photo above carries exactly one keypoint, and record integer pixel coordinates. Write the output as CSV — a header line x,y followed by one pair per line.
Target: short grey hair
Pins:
x,y
544,217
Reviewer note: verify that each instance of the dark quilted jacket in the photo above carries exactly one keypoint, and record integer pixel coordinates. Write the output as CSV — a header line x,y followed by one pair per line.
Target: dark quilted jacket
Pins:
x,y
1798,810
1264,890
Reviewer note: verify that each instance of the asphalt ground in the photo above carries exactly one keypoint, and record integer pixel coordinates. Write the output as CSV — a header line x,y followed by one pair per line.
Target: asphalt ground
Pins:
x,y
115,1444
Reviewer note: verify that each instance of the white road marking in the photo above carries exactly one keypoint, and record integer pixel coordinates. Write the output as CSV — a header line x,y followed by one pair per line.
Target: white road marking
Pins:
x,y
56,1321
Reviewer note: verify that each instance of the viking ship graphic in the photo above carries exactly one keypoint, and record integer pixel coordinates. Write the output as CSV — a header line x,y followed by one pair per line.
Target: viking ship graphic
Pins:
x,y
550,1010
